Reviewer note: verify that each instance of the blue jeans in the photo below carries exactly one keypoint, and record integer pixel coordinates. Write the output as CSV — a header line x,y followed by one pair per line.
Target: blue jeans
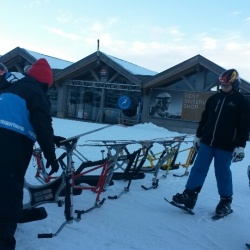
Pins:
x,y
223,174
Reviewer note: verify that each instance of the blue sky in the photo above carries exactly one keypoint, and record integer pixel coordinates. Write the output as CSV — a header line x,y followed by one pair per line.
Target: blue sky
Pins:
x,y
156,34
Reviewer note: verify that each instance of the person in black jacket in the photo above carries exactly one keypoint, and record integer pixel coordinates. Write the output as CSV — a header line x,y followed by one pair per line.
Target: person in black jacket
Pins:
x,y
24,119
221,135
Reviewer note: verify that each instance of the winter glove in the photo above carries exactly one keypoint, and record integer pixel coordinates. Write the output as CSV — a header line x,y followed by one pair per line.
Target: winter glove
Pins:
x,y
54,166
58,139
196,143
238,154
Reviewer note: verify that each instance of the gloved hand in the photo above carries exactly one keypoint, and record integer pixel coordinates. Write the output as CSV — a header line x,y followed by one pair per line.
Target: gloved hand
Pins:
x,y
238,154
58,139
196,143
54,166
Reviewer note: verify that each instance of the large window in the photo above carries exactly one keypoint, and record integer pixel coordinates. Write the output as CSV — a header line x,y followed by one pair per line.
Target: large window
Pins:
x,y
112,96
83,103
86,103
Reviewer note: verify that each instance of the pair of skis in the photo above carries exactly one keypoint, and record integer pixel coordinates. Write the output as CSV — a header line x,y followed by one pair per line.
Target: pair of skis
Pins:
x,y
189,211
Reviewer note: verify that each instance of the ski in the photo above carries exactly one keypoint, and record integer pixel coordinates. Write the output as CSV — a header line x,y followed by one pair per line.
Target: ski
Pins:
x,y
218,217
188,210
248,246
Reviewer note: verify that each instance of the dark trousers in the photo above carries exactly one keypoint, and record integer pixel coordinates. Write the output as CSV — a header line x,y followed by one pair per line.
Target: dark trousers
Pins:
x,y
7,232
15,154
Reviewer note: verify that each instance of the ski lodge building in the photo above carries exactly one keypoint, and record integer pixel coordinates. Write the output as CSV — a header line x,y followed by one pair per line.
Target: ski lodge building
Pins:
x,y
104,89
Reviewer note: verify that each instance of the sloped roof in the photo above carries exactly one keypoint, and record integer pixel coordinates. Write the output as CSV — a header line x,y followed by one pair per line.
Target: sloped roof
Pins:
x,y
23,56
132,68
189,66
63,69
55,63
129,70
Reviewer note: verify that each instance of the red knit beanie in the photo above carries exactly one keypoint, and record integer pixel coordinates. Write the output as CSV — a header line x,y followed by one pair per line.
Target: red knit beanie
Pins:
x,y
41,71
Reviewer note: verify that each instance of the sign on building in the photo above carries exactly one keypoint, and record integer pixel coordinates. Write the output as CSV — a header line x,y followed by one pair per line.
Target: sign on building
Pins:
x,y
172,104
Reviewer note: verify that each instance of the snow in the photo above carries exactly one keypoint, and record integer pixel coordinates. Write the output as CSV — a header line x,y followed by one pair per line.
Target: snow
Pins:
x,y
55,63
140,219
132,68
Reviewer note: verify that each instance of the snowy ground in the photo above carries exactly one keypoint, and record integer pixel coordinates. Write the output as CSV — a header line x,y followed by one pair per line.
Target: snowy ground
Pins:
x,y
140,219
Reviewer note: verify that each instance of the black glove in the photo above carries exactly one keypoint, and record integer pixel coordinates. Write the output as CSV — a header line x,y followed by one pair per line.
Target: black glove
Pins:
x,y
58,139
54,166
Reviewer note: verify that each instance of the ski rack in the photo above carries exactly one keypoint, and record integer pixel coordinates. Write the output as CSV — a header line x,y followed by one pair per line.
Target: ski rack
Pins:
x,y
104,179
138,163
70,145
170,145
106,175
151,156
133,157
41,174
189,161
68,174
168,153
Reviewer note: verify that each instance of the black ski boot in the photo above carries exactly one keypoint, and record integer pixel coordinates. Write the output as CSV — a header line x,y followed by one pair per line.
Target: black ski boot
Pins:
x,y
188,198
224,206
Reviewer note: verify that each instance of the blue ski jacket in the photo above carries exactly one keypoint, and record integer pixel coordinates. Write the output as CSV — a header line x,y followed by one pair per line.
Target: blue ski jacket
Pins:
x,y
31,116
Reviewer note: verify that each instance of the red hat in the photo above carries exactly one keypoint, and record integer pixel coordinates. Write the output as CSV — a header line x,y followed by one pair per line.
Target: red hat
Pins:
x,y
41,71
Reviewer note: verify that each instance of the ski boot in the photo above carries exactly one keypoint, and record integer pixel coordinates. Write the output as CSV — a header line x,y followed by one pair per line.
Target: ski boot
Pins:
x,y
224,206
188,198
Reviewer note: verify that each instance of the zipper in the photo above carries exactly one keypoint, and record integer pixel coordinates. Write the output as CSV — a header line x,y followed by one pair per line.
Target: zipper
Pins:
x,y
217,118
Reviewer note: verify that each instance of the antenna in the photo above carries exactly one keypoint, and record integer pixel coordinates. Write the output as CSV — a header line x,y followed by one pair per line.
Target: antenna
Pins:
x,y
98,45
97,53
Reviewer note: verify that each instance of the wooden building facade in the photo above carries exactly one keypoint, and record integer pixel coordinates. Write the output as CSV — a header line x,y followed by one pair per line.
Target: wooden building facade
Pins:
x,y
102,88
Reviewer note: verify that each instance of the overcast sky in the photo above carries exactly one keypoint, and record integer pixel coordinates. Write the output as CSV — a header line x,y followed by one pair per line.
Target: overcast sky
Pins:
x,y
155,34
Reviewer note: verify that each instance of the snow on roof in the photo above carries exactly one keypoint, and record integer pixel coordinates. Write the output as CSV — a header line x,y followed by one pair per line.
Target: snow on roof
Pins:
x,y
54,63
132,68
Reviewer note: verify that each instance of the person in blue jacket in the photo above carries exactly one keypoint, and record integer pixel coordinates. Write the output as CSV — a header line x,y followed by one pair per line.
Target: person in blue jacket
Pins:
x,y
24,119
221,136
